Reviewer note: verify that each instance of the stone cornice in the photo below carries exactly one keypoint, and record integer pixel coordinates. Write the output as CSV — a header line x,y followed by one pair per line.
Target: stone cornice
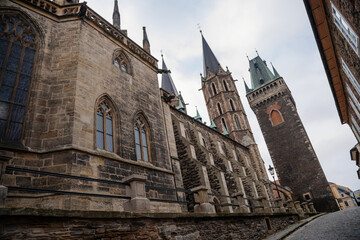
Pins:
x,y
82,11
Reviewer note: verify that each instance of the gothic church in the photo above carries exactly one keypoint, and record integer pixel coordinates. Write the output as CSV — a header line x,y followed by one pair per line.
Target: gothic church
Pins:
x,y
84,126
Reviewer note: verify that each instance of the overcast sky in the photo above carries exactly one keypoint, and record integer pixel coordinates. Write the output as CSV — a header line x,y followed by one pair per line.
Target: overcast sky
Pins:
x,y
278,29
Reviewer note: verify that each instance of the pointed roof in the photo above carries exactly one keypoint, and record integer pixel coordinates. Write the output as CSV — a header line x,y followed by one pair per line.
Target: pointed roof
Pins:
x,y
225,132
198,117
247,88
146,43
116,15
181,106
277,75
260,73
166,81
213,125
210,61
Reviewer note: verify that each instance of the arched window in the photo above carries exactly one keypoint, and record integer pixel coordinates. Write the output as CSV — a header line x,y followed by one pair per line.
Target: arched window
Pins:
x,y
225,86
276,117
104,127
121,62
237,122
224,123
18,45
214,88
141,131
219,108
232,105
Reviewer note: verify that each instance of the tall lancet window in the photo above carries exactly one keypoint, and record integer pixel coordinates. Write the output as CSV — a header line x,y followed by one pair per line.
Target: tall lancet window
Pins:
x,y
214,88
18,45
232,105
141,131
225,86
104,127
224,123
237,122
219,108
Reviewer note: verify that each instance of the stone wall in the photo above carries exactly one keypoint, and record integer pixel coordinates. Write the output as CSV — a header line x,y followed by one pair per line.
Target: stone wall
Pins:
x,y
29,224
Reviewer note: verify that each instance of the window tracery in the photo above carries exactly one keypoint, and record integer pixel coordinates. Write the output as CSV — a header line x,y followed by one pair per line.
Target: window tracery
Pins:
x,y
121,62
104,127
141,131
18,45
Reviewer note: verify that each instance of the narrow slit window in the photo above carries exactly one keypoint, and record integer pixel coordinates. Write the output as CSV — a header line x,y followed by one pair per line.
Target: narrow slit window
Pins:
x,y
219,108
225,86
237,122
232,105
214,88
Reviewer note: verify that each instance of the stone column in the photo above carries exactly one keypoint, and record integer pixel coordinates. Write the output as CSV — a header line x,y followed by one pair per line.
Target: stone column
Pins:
x,y
265,203
136,190
5,157
298,208
280,204
305,207
241,202
202,197
311,207
291,206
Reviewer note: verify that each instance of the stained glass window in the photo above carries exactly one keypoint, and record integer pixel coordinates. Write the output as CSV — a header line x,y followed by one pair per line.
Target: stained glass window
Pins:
x,y
104,127
142,139
17,52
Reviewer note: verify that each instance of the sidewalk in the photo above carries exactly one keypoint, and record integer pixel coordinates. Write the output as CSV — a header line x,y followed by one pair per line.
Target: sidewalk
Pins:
x,y
290,229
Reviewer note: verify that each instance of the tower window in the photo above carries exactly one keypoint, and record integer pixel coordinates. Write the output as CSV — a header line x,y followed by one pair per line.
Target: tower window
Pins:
x,y
225,86
224,123
232,105
141,131
237,122
214,88
276,117
261,81
17,52
219,108
104,127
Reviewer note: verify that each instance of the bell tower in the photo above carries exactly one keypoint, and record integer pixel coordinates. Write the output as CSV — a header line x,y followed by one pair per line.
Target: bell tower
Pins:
x,y
290,148
225,108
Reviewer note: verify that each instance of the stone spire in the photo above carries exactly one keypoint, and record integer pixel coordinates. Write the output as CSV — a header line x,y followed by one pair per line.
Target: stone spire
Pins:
x,y
166,80
116,15
210,62
146,43
259,72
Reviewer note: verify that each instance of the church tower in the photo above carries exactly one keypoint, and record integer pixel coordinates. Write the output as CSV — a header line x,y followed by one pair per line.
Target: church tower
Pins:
x,y
290,148
225,108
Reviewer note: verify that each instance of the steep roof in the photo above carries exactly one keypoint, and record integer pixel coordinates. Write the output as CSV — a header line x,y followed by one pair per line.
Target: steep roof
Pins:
x,y
210,61
260,74
166,81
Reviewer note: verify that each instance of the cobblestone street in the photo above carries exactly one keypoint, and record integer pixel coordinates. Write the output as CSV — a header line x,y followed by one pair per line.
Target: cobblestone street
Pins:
x,y
338,225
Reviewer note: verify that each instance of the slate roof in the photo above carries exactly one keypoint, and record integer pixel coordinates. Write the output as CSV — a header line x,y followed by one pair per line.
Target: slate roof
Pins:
x,y
166,81
210,61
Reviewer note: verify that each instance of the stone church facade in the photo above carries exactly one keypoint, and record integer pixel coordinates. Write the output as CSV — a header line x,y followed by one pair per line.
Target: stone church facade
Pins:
x,y
84,125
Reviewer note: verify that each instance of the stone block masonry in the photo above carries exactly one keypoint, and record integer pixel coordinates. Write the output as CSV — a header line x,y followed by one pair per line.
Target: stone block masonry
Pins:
x,y
35,224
